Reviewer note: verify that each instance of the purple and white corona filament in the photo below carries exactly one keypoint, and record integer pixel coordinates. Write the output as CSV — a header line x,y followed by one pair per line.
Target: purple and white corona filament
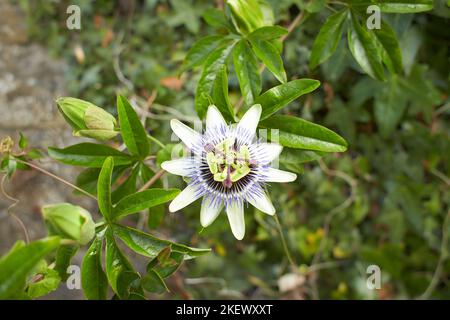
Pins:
x,y
228,167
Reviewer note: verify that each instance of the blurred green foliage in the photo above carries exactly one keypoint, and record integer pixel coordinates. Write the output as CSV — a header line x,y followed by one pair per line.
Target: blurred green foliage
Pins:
x,y
383,202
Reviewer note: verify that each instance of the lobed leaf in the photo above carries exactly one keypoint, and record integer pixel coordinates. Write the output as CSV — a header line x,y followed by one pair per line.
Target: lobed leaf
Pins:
x,y
19,263
133,132
301,134
220,95
269,55
104,188
93,278
211,68
88,155
143,200
119,271
150,246
328,39
201,49
363,47
276,98
392,54
247,71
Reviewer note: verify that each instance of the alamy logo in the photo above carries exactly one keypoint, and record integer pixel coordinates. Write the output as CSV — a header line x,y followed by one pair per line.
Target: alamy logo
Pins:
x,y
374,277
74,280
73,21
374,20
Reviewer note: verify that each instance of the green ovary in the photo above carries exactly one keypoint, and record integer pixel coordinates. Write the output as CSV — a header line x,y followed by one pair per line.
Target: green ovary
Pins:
x,y
227,164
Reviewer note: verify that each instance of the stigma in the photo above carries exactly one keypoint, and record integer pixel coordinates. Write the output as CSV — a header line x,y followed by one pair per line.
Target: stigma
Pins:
x,y
228,163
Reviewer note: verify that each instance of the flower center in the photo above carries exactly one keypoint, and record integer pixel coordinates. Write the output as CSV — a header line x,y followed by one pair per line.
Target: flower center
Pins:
x,y
226,163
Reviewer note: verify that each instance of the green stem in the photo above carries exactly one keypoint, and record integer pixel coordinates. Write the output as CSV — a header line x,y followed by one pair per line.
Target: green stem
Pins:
x,y
159,143
150,182
48,173
284,243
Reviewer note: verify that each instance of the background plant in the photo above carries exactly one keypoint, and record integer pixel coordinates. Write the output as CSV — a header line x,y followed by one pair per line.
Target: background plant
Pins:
x,y
382,202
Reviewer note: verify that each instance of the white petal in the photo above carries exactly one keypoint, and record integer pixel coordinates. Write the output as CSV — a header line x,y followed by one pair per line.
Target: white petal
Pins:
x,y
270,151
181,167
186,197
209,211
251,118
186,134
214,118
235,213
275,175
262,203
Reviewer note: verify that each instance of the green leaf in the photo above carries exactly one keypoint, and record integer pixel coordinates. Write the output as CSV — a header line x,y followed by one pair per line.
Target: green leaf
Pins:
x,y
162,155
117,267
249,15
328,39
146,174
419,87
23,141
142,200
247,71
315,6
394,6
35,154
64,256
276,98
156,216
88,155
104,188
49,282
9,164
388,257
150,246
389,106
269,55
212,67
216,18
301,134
16,266
87,179
153,282
297,156
168,266
93,278
17,245
129,286
127,187
392,54
404,6
201,49
133,132
363,46
220,94
269,32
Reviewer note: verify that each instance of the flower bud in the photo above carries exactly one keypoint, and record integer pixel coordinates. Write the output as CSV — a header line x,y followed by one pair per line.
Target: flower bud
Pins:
x,y
69,221
86,119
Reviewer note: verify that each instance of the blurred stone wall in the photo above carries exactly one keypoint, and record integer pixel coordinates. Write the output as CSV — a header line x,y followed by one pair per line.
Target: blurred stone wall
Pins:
x,y
30,80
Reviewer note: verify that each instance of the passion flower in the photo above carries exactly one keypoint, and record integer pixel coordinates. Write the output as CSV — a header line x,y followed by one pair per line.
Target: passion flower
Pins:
x,y
228,166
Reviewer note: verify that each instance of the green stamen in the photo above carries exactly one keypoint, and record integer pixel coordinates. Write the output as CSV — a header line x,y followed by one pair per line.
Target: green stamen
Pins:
x,y
228,165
